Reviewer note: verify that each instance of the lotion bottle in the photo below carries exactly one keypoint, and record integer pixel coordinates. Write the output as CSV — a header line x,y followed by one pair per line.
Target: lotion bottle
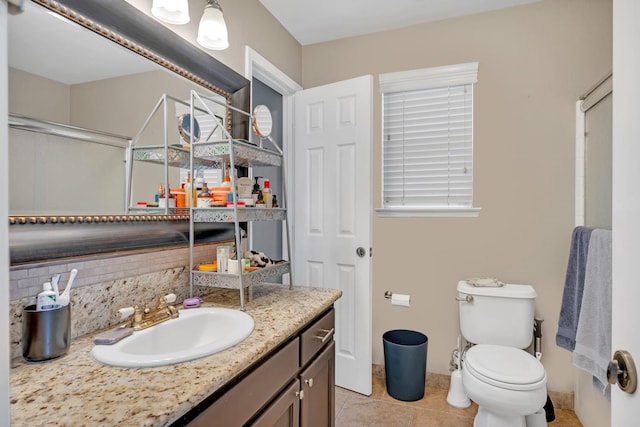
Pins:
x,y
47,298
188,192
266,194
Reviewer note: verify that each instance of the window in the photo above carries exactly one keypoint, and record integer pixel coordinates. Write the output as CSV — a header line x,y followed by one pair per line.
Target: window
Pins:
x,y
427,142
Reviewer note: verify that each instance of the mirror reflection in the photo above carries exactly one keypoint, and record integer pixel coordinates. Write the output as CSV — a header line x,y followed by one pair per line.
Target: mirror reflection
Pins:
x,y
184,126
262,121
67,77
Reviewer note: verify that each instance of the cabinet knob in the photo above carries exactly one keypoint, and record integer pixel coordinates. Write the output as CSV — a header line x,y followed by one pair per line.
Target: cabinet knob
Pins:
x,y
300,394
309,382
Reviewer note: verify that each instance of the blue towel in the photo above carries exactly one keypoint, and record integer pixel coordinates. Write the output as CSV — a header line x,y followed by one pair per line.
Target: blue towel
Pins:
x,y
592,352
573,289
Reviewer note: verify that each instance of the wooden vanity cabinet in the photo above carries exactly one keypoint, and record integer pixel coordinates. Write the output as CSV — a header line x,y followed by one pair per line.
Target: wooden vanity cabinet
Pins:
x,y
310,398
317,382
292,387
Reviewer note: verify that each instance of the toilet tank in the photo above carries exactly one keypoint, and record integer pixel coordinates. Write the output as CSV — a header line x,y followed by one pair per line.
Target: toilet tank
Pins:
x,y
497,315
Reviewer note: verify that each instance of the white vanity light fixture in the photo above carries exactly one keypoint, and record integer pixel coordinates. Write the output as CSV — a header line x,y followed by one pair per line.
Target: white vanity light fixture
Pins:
x,y
212,32
171,11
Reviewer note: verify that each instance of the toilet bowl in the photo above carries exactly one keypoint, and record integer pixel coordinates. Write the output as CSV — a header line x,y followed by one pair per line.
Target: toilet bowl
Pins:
x,y
507,384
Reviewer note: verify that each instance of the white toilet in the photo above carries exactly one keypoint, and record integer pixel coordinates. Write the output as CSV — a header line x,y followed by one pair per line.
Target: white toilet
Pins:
x,y
505,381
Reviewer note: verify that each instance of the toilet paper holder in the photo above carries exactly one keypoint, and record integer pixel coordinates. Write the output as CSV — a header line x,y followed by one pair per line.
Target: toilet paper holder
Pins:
x,y
398,299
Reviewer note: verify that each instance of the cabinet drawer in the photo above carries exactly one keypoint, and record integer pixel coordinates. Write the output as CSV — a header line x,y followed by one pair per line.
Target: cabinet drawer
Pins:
x,y
247,397
316,336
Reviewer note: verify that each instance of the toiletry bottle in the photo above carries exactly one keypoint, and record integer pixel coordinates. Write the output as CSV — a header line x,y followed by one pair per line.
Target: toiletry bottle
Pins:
x,y
260,200
274,203
162,202
255,191
199,181
227,178
188,192
159,193
266,193
47,298
204,197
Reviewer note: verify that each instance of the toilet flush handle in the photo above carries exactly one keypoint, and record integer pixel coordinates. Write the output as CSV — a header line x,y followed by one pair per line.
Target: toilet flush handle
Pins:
x,y
466,298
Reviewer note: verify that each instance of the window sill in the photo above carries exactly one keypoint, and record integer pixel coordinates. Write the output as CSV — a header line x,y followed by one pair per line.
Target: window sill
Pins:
x,y
428,212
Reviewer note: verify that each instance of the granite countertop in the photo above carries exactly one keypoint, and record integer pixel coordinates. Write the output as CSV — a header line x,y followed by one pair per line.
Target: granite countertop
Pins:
x,y
75,390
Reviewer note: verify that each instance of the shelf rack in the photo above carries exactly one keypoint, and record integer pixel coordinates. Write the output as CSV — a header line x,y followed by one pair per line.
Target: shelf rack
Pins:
x,y
214,154
234,152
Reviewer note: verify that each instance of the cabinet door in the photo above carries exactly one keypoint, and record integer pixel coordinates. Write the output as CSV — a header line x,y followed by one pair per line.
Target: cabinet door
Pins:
x,y
238,405
284,411
317,407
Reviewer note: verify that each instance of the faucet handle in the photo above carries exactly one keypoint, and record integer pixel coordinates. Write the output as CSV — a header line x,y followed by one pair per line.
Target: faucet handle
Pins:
x,y
124,313
169,298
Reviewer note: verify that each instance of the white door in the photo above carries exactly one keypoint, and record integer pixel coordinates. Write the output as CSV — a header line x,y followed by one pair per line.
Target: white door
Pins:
x,y
625,408
332,213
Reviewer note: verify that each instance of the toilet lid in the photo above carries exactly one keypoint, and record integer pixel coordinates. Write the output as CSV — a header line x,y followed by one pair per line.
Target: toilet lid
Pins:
x,y
505,367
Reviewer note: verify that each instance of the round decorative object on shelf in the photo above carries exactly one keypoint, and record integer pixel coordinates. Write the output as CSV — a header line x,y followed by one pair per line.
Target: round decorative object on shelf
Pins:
x,y
184,127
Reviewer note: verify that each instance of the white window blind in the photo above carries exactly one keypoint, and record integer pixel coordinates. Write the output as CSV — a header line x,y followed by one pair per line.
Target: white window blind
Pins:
x,y
428,144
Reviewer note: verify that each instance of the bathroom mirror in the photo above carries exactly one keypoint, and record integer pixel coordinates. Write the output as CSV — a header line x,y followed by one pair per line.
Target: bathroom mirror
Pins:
x,y
103,73
142,55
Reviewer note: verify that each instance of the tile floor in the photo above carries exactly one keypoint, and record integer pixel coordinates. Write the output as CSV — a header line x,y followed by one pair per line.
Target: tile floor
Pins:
x,y
380,409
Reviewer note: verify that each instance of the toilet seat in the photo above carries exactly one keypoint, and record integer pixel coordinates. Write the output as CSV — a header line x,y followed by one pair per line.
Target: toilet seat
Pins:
x,y
505,367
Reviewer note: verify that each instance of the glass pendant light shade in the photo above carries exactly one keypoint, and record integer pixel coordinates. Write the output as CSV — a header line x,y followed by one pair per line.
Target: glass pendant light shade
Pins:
x,y
171,11
212,32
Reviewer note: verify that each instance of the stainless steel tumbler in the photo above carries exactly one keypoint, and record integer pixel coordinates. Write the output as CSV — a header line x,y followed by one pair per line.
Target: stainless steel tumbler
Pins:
x,y
45,334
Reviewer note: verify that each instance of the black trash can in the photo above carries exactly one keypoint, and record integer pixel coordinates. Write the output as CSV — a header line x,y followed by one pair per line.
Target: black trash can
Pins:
x,y
405,363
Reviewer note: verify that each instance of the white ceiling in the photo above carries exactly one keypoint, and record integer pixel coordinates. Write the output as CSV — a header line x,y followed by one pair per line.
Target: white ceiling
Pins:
x,y
43,44
50,47
314,21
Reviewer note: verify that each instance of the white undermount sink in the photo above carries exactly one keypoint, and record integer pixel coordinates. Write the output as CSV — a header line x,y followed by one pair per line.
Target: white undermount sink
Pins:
x,y
198,332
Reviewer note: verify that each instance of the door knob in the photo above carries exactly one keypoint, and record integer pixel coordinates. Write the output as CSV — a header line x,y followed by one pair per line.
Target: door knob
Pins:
x,y
622,370
361,252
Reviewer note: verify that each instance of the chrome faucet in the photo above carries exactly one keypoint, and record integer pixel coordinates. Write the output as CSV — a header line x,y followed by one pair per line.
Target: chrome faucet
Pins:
x,y
143,318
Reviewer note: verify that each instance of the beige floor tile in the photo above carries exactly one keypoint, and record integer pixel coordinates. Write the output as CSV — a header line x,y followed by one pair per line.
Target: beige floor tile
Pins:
x,y
359,411
434,399
378,388
341,398
565,418
431,418
380,409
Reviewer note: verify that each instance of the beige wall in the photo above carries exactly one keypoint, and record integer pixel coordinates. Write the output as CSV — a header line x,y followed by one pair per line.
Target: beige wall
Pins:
x,y
125,103
48,173
535,61
36,96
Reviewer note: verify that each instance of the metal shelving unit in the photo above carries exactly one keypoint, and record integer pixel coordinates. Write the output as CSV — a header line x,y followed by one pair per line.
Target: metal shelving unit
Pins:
x,y
234,152
214,154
